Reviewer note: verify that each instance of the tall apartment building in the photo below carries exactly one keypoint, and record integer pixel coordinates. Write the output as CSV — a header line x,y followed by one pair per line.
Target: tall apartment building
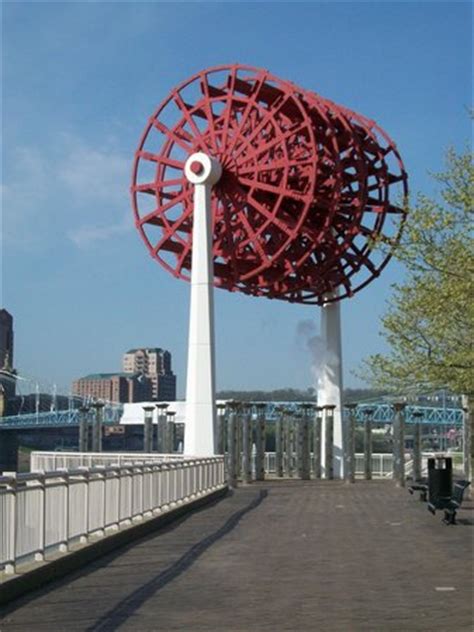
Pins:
x,y
114,387
155,363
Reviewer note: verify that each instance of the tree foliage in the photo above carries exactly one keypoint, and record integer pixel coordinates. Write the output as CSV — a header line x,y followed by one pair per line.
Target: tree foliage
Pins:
x,y
428,325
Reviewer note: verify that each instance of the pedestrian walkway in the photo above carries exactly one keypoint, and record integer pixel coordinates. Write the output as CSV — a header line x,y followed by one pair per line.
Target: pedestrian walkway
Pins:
x,y
276,556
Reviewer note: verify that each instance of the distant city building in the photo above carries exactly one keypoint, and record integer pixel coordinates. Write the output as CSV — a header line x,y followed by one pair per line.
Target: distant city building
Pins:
x,y
154,363
114,387
6,340
7,374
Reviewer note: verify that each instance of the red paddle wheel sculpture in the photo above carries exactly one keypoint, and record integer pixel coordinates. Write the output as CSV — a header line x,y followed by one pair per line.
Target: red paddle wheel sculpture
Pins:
x,y
304,195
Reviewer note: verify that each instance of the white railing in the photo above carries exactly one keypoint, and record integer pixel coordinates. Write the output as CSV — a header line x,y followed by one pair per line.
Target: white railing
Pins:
x,y
48,461
381,463
41,513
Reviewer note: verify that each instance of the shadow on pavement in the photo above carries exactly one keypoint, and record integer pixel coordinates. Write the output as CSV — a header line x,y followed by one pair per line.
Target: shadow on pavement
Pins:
x,y
112,619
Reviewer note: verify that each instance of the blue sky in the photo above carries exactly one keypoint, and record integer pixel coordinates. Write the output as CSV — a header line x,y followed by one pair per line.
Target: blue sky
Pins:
x,y
80,80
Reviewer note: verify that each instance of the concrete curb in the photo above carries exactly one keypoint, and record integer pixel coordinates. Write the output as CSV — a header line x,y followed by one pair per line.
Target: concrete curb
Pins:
x,y
55,569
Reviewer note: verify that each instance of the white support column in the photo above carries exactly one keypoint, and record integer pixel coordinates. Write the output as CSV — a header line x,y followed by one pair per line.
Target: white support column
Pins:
x,y
330,383
202,171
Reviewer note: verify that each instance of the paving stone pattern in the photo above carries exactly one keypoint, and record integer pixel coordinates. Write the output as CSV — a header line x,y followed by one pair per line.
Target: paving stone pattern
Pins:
x,y
276,556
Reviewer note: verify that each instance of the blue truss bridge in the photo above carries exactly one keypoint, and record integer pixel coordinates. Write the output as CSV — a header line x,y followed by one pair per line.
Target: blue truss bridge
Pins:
x,y
381,412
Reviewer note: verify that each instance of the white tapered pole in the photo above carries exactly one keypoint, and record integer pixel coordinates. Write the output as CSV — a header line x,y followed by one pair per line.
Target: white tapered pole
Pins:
x,y
330,383
203,172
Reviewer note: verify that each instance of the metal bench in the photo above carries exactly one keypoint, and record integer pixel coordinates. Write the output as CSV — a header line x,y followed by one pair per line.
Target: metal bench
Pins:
x,y
450,505
422,488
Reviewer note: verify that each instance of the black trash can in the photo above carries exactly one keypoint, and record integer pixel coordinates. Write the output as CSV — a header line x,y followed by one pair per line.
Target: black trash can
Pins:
x,y
440,479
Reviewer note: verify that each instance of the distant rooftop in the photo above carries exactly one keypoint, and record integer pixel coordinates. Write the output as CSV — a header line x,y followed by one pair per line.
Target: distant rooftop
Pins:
x,y
108,376
148,349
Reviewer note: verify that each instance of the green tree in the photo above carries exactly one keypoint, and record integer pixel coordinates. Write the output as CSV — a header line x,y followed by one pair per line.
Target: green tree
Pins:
x,y
428,324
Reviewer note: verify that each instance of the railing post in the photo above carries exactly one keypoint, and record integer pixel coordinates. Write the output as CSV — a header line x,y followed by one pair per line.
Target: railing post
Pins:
x,y
39,555
368,444
260,443
97,426
64,544
10,563
329,441
148,429
317,423
399,444
350,444
161,428
84,428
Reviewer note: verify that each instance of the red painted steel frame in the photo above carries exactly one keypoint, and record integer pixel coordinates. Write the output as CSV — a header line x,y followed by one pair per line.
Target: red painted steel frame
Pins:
x,y
304,193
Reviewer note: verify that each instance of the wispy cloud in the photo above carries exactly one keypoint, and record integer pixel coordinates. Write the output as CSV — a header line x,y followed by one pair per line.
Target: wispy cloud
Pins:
x,y
70,188
87,235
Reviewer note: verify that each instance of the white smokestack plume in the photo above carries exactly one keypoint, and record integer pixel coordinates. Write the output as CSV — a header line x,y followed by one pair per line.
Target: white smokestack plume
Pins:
x,y
309,338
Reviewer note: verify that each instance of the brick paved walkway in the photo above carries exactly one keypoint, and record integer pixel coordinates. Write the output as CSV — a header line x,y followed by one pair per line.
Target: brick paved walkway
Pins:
x,y
277,556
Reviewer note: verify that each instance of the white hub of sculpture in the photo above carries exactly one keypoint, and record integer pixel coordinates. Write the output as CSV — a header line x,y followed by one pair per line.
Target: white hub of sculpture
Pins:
x,y
203,172
330,384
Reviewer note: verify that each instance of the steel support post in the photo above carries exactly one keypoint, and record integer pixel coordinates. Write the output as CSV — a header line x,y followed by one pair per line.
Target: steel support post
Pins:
x,y
417,451
84,429
288,444
330,384
399,444
148,428
328,441
350,444
303,450
232,447
97,426
317,424
247,444
220,429
368,445
161,428
170,434
279,443
260,443
467,440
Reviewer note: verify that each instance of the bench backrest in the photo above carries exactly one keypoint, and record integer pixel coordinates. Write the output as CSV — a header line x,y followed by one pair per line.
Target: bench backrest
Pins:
x,y
458,491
